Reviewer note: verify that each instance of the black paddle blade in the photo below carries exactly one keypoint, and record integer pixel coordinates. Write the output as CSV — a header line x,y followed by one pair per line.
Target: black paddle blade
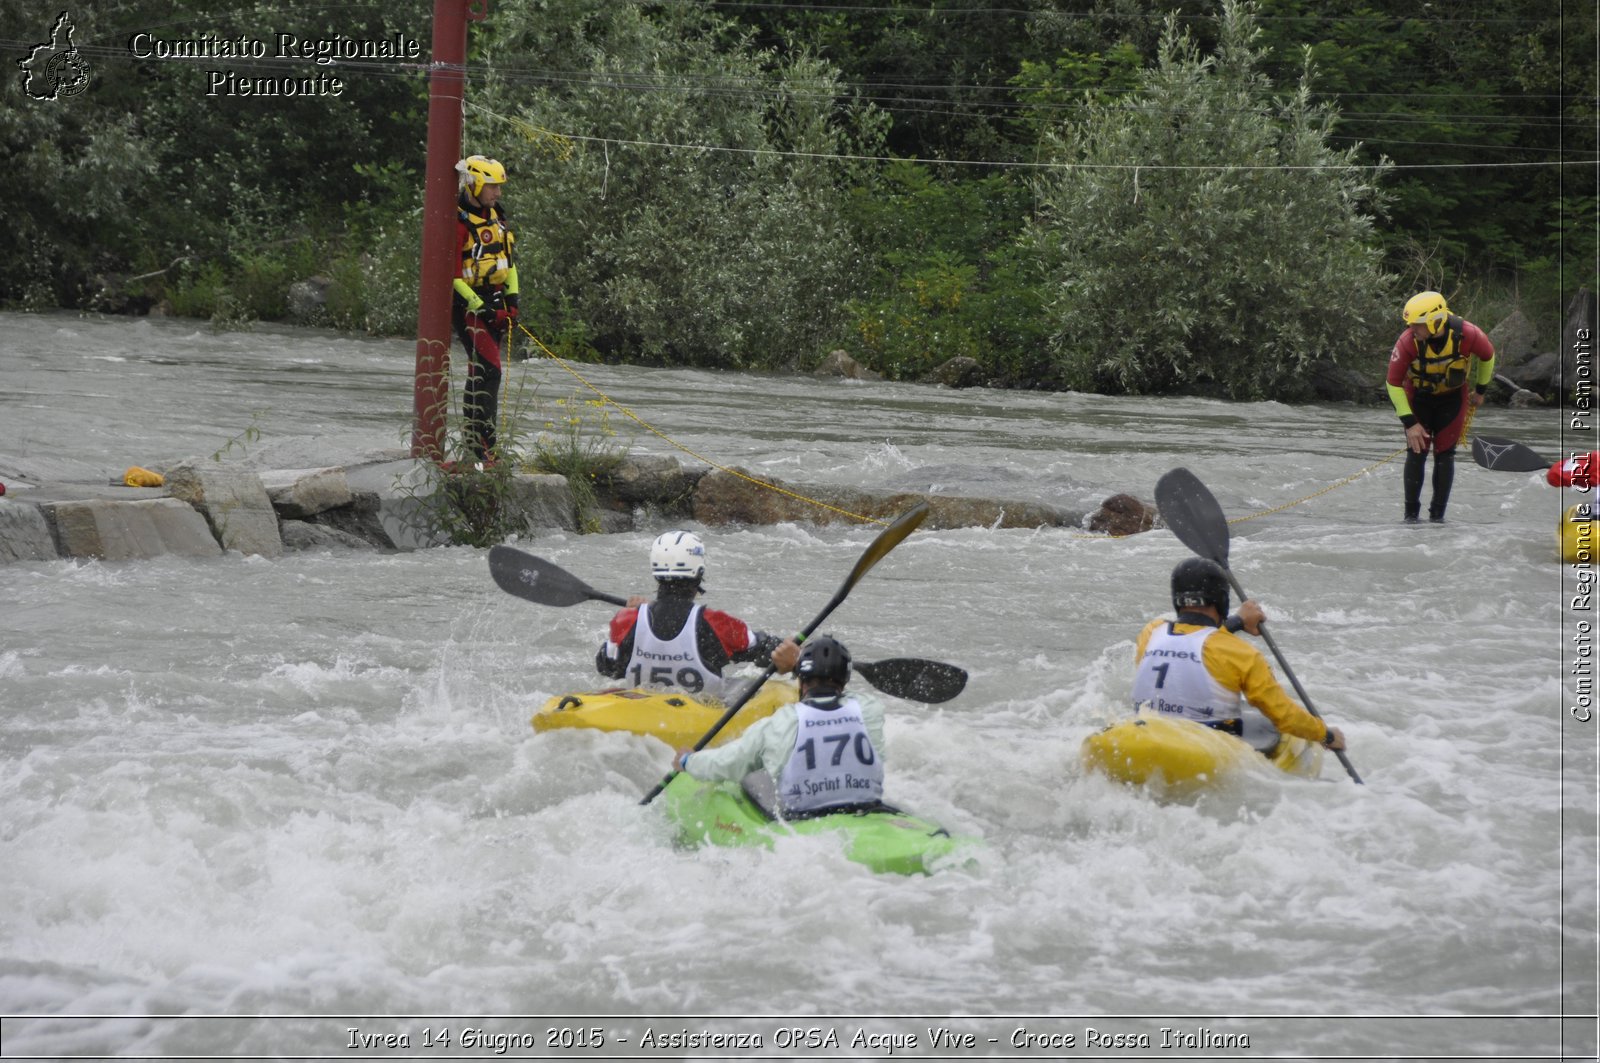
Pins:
x,y
538,580
930,682
1502,455
1193,514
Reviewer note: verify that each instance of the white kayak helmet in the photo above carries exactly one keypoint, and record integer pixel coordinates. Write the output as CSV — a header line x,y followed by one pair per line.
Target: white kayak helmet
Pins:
x,y
678,555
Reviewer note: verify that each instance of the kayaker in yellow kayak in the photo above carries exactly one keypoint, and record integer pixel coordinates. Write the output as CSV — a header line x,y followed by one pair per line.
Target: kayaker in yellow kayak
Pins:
x,y
674,643
825,752
1197,668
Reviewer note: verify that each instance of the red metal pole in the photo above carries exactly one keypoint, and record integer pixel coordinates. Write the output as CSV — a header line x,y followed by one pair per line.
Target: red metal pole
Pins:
x,y
446,86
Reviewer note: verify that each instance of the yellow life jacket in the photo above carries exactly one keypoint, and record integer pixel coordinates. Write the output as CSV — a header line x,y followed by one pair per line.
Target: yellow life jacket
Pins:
x,y
1437,370
486,253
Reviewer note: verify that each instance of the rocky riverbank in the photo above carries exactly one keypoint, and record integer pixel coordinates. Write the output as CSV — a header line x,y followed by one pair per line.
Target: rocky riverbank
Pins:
x,y
389,502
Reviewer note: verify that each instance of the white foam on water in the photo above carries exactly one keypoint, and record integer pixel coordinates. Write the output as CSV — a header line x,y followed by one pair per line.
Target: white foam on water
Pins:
x,y
309,785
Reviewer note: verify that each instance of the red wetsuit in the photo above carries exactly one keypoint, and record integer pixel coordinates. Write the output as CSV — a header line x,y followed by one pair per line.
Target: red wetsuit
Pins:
x,y
1440,405
1427,381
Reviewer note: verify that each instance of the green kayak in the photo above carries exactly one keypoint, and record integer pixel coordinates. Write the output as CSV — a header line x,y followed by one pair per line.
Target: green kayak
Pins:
x,y
889,840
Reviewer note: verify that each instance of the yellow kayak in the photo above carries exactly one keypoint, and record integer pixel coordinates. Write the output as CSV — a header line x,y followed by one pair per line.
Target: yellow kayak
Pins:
x,y
677,719
1577,533
1187,756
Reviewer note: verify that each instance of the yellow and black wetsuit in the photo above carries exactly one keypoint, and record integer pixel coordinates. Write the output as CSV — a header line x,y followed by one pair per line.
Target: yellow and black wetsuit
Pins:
x,y
487,276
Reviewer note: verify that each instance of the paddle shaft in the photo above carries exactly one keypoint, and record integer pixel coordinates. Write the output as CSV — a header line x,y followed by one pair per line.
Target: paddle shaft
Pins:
x,y
1294,680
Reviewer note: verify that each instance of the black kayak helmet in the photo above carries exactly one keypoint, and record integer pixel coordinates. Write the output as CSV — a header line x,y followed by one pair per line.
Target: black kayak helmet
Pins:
x,y
1197,581
823,660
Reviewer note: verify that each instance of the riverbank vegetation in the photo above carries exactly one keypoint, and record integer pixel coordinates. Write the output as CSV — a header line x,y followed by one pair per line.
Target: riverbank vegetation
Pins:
x,y
1212,197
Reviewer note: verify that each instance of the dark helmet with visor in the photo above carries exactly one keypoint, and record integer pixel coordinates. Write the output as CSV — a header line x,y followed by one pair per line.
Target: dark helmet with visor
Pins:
x,y
1196,582
824,660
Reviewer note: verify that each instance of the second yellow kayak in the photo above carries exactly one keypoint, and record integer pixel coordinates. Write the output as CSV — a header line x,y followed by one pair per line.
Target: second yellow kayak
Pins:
x,y
677,719
1185,755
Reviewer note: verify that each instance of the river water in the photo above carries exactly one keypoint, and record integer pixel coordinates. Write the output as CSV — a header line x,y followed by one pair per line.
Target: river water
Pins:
x,y
252,806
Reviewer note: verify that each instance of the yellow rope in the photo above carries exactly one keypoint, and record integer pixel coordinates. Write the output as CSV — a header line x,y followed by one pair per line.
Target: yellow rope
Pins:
x,y
1317,494
635,418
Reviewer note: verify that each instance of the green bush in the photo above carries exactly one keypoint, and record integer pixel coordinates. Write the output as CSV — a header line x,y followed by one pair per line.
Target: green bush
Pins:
x,y
1204,236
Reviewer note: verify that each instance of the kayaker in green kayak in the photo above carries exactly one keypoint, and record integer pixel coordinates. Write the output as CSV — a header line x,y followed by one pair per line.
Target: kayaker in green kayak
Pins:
x,y
1196,668
825,752
674,643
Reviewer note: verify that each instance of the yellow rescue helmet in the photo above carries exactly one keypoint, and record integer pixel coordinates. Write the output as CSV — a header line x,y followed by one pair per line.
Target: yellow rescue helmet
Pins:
x,y
479,170
1427,308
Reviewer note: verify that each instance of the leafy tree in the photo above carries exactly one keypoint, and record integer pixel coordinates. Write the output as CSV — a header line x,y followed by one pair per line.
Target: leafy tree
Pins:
x,y
701,217
947,283
1202,236
145,172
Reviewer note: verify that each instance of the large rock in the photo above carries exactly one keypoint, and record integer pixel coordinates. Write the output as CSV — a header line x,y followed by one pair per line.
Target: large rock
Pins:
x,y
840,364
1514,337
652,481
24,533
373,520
1540,374
234,504
123,531
1123,514
307,299
303,535
959,372
392,504
727,497
300,493
542,500
1334,383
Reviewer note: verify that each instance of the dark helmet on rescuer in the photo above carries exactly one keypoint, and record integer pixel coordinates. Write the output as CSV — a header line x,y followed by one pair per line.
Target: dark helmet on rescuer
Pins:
x,y
823,660
1197,581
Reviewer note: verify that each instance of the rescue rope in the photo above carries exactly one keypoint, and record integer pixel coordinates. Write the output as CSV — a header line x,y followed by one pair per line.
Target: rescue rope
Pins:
x,y
1358,474
1466,438
642,423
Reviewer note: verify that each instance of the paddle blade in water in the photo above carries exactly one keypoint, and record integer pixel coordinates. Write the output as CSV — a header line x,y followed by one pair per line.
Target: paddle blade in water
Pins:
x,y
930,682
1502,455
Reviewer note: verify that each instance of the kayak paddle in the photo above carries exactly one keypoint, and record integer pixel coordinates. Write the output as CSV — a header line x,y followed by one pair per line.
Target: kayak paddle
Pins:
x,y
887,540
1194,516
1502,455
914,678
537,580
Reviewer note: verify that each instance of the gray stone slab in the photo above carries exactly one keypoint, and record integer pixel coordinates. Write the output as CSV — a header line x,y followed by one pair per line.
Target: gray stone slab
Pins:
x,y
123,531
542,500
300,493
405,477
24,533
234,503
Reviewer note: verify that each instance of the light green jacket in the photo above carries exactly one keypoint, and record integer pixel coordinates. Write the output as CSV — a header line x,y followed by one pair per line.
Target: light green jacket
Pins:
x,y
769,743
